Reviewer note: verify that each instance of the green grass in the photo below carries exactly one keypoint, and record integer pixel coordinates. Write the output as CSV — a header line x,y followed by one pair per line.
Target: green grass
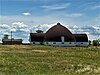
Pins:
x,y
48,60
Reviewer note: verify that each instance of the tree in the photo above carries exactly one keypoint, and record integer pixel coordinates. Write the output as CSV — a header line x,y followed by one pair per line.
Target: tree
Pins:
x,y
39,31
99,41
89,42
95,42
5,36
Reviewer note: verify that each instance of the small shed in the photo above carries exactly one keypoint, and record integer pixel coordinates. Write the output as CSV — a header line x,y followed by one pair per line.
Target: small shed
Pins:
x,y
11,41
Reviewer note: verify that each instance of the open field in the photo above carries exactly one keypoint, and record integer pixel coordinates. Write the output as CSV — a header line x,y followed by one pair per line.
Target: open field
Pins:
x,y
47,60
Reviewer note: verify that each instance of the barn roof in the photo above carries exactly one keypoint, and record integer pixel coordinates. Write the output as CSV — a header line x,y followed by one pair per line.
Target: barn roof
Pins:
x,y
81,37
39,37
55,33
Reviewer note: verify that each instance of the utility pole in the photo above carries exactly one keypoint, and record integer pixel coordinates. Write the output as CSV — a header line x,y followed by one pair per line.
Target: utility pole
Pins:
x,y
11,37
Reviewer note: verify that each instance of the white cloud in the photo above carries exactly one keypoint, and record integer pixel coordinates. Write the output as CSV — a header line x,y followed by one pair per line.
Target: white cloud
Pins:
x,y
93,32
19,24
4,26
6,33
77,14
74,15
92,8
26,14
96,7
19,27
13,29
43,27
56,6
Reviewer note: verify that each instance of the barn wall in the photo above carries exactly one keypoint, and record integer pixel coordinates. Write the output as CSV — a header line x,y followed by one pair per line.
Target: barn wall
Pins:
x,y
60,43
36,43
82,43
66,43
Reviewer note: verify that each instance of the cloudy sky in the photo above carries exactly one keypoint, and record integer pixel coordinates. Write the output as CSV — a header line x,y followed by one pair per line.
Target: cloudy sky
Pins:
x,y
23,16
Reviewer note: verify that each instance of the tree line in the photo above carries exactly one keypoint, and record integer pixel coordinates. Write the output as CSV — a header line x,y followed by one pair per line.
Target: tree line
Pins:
x,y
95,42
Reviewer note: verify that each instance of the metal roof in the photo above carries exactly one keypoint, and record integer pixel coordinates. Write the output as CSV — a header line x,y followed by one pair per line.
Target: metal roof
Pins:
x,y
81,37
55,33
39,37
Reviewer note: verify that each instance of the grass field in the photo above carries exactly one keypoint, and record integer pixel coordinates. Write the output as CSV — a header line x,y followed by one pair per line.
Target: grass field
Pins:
x,y
47,60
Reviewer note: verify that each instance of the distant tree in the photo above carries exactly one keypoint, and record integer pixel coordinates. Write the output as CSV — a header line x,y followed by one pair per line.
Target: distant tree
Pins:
x,y
99,41
89,42
5,36
95,42
39,31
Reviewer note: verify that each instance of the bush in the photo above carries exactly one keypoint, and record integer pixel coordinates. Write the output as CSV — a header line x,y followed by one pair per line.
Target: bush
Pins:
x,y
95,42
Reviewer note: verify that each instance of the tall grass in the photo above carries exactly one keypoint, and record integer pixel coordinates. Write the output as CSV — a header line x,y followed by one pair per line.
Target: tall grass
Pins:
x,y
48,60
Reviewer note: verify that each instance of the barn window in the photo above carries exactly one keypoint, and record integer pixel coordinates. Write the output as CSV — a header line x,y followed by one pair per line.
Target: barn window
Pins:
x,y
75,43
81,43
70,43
47,42
33,42
41,43
54,43
62,42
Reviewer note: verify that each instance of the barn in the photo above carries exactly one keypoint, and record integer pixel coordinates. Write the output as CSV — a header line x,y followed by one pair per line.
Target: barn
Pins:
x,y
58,35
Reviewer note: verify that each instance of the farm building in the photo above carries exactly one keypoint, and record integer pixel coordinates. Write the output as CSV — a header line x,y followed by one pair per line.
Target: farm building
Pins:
x,y
7,41
11,41
58,35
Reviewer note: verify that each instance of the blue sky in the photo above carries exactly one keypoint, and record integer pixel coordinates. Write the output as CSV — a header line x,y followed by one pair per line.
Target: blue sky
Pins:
x,y
30,13
47,7
80,10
